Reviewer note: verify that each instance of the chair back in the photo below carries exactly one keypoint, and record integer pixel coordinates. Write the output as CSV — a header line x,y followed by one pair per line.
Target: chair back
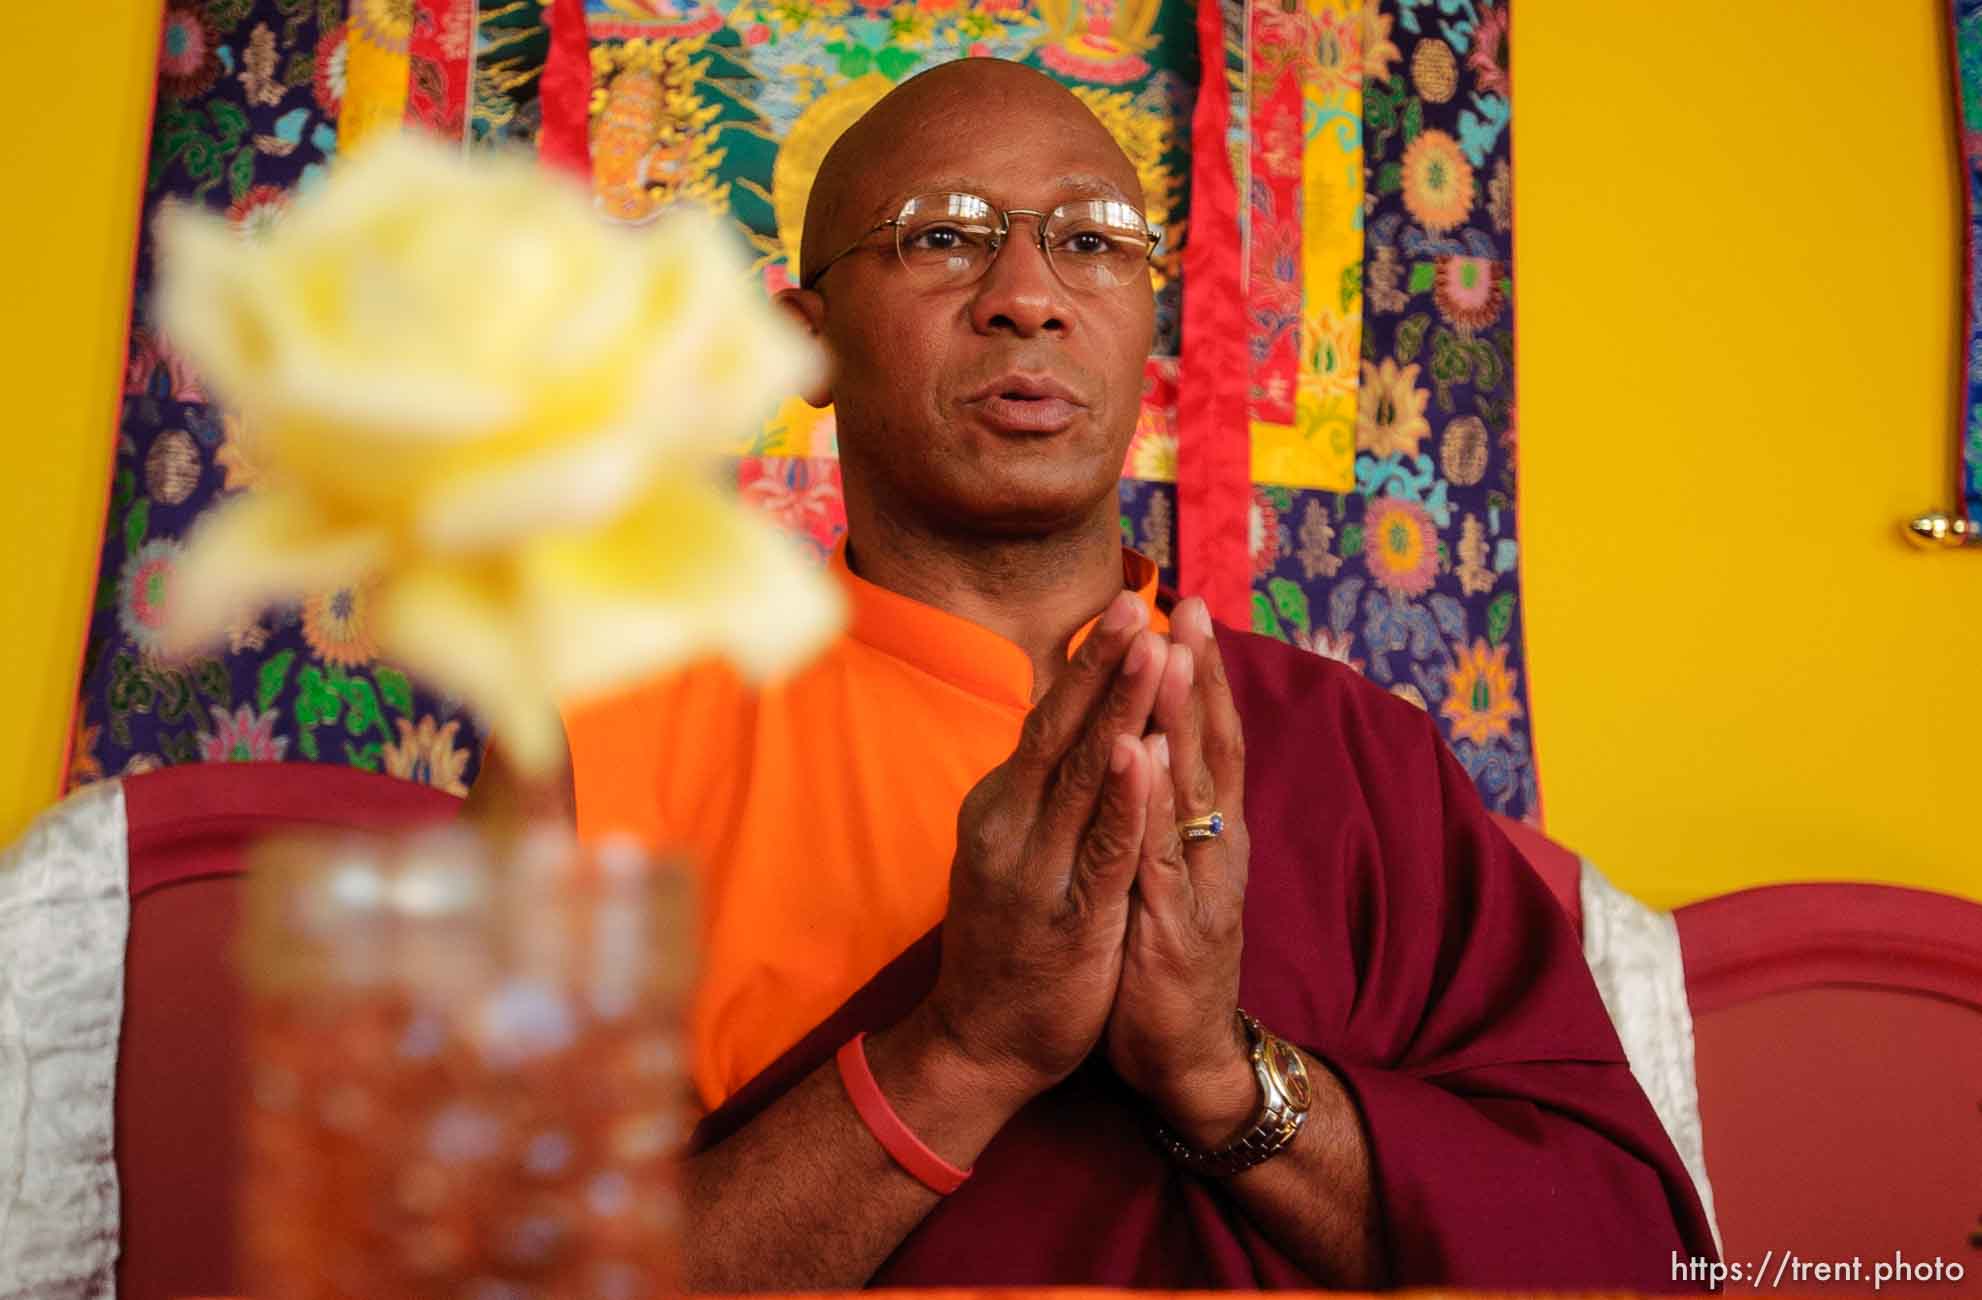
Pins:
x,y
1560,869
181,1076
1838,1047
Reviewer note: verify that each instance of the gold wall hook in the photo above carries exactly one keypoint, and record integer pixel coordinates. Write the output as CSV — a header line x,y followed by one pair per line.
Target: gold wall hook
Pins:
x,y
1940,532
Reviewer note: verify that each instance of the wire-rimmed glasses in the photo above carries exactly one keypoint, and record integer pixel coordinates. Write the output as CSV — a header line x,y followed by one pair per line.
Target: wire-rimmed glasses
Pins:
x,y
952,239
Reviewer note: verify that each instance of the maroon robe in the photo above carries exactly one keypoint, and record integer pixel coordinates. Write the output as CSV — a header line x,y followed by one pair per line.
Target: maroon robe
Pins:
x,y
1394,933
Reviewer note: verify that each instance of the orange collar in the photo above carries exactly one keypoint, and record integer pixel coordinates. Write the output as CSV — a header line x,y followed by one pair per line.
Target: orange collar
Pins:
x,y
965,654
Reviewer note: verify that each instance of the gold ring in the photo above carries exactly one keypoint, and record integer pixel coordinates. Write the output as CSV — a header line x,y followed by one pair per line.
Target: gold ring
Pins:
x,y
1197,829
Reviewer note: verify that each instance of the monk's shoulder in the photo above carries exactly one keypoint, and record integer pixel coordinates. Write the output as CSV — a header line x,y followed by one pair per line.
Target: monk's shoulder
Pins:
x,y
686,718
1275,683
659,705
671,758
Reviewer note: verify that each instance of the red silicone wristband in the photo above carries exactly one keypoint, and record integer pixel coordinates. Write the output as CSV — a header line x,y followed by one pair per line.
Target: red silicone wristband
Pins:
x,y
922,1164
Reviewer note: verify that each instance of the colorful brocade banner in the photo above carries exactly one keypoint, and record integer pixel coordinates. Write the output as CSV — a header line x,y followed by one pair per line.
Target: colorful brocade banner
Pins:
x,y
253,98
1337,400
1967,18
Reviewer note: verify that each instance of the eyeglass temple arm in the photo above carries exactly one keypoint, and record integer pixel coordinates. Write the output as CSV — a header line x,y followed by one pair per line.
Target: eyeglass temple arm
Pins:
x,y
813,279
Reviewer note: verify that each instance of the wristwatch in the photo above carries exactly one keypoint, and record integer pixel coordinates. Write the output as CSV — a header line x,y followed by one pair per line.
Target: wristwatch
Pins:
x,y
1284,1098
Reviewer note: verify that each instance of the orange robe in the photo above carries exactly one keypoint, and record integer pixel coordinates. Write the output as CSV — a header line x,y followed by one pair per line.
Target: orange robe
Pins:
x,y
819,813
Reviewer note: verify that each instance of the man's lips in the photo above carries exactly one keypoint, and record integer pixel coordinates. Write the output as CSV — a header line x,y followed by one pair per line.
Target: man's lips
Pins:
x,y
1020,403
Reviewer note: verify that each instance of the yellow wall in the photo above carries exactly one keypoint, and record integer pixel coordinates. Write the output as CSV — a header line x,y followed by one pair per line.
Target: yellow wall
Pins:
x,y
1736,234
73,113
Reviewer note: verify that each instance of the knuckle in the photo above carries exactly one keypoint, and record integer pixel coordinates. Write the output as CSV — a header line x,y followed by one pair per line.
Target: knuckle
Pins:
x,y
1162,845
978,801
1036,739
979,842
1108,841
981,827
1120,700
1229,926
1214,663
1095,650
1082,767
980,804
1007,893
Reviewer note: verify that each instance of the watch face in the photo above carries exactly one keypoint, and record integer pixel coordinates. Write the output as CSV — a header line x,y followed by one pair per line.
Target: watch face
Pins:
x,y
1290,1073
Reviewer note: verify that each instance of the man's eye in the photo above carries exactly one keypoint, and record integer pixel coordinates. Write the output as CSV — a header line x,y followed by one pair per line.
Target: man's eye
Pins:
x,y
938,239
1087,243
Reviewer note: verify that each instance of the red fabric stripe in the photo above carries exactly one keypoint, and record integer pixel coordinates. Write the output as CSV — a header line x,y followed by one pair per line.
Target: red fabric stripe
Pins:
x,y
1276,224
566,93
439,71
1214,469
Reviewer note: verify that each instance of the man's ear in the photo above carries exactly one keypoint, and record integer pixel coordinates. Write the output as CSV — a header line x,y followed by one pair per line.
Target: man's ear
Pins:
x,y
808,309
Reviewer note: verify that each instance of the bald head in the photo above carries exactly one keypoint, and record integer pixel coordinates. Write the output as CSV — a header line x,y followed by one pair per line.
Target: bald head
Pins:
x,y
876,162
998,404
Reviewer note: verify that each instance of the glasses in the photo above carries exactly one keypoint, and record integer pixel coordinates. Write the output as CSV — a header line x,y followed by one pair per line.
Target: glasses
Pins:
x,y
946,240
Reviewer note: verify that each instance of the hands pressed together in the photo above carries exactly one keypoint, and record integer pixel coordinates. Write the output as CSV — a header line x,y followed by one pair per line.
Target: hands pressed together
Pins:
x,y
1078,916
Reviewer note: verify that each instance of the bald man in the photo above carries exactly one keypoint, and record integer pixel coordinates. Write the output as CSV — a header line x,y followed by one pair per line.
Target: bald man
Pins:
x,y
1052,935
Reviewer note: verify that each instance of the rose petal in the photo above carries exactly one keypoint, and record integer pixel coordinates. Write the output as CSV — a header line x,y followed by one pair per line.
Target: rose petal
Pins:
x,y
255,550
565,487
206,298
689,573
456,628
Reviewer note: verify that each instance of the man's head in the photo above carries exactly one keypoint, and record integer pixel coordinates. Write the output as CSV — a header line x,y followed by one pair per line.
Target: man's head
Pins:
x,y
1000,405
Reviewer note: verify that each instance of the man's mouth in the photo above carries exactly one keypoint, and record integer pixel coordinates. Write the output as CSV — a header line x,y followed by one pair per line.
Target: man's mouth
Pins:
x,y
1026,404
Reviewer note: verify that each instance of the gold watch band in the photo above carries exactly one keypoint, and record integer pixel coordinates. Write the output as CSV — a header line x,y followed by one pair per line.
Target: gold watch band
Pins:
x,y
1283,1109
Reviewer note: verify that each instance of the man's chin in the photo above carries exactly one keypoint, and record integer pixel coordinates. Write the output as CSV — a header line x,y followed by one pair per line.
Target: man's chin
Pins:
x,y
1023,507
994,486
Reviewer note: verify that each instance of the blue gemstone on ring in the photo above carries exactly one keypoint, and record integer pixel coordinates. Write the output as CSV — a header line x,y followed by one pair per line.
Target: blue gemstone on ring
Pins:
x,y
1218,823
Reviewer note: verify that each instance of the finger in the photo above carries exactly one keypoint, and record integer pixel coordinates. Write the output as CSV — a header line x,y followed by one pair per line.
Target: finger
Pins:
x,y
1124,711
1161,876
1176,714
1057,720
1221,735
1105,863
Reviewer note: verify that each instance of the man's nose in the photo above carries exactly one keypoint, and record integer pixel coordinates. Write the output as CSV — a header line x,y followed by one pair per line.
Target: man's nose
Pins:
x,y
1019,293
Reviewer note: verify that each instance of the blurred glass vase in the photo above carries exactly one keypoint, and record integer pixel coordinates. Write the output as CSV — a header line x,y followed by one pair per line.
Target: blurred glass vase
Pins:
x,y
466,1074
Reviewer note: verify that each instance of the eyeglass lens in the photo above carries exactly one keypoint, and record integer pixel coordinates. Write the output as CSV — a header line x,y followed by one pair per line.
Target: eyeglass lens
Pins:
x,y
1091,243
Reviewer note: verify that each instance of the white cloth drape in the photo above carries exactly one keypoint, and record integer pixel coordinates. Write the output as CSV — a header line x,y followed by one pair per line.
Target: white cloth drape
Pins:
x,y
1633,952
64,918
